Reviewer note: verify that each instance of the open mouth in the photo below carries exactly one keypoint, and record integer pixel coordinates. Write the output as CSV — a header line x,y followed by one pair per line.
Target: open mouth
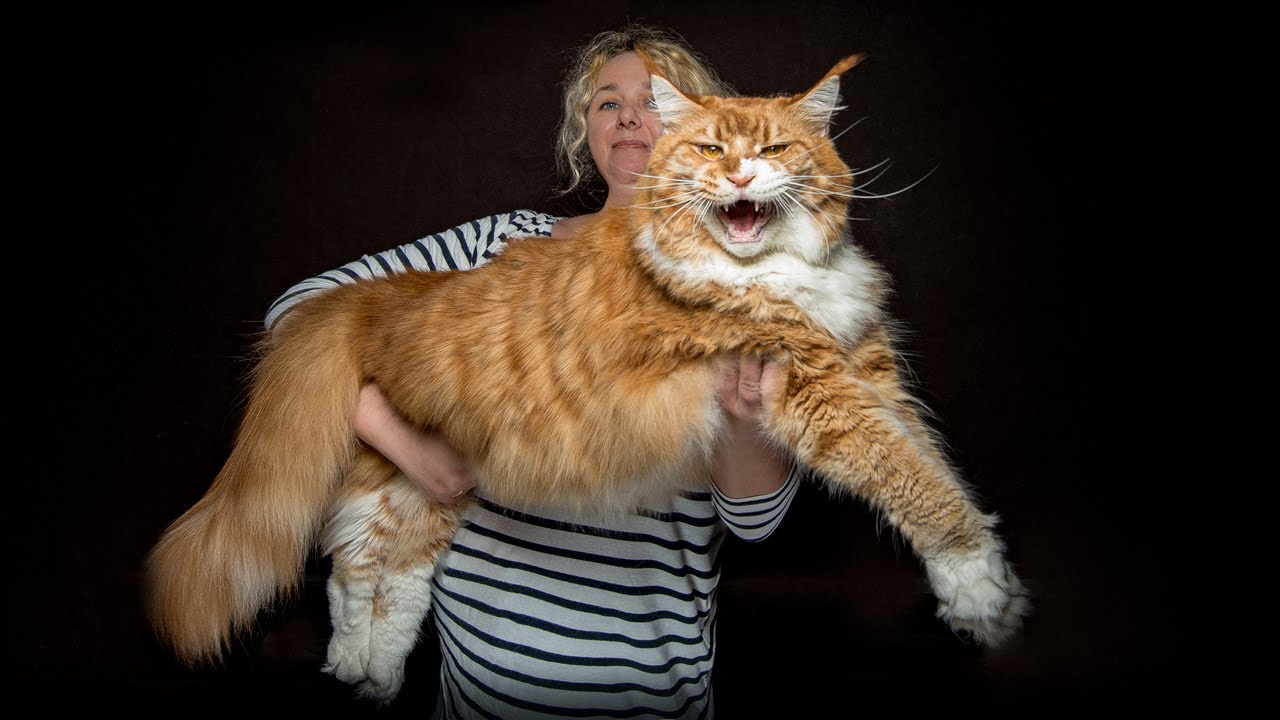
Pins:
x,y
745,220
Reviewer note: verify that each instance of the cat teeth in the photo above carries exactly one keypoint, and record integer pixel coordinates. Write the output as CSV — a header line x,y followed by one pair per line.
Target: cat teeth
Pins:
x,y
757,204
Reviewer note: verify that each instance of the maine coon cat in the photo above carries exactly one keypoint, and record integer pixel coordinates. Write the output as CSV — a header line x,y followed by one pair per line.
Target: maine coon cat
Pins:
x,y
609,345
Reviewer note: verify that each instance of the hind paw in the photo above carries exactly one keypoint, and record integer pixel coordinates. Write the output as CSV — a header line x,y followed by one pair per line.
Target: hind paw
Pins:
x,y
348,658
978,593
377,676
383,681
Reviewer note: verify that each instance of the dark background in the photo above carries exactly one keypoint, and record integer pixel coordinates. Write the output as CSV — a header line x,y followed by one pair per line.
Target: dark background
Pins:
x,y
168,173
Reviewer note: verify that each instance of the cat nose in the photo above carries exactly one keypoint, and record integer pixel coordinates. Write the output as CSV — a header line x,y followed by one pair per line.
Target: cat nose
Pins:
x,y
741,180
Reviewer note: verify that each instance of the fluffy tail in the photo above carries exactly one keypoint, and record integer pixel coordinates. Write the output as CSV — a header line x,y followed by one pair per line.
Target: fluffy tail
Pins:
x,y
247,540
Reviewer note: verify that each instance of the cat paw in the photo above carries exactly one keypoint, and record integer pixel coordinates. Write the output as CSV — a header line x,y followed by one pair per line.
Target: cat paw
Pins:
x,y
384,680
979,594
375,677
348,658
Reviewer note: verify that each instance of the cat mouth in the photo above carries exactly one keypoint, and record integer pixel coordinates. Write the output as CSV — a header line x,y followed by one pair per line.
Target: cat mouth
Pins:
x,y
744,220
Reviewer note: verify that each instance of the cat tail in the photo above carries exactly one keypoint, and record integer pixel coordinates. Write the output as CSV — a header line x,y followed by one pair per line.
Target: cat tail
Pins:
x,y
246,542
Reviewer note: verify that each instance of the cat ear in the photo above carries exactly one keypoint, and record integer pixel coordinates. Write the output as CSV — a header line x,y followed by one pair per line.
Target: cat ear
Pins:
x,y
823,100
672,105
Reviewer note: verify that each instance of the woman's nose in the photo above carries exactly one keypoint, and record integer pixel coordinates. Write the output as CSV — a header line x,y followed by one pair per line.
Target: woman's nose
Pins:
x,y
629,116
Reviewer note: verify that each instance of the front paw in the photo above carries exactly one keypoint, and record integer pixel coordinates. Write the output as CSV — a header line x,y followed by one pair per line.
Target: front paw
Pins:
x,y
979,593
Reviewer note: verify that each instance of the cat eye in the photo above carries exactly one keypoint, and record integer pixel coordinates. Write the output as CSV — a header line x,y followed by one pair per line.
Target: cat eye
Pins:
x,y
772,151
711,152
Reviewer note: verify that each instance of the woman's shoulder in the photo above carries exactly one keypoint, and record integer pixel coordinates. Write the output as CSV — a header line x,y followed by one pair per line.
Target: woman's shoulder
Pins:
x,y
566,227
527,222
500,225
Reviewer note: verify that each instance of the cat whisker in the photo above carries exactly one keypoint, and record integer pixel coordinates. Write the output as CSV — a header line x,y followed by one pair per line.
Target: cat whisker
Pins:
x,y
852,125
854,173
823,177
673,199
895,192
887,164
790,203
833,140
862,171
667,181
663,186
849,193
684,208
667,202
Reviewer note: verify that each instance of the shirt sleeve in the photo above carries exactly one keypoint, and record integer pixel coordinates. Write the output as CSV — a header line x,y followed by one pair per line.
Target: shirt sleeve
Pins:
x,y
464,247
755,518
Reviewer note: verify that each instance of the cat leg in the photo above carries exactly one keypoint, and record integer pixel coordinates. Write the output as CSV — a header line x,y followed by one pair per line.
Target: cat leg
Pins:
x,y
384,538
361,522
403,595
351,589
387,634
848,417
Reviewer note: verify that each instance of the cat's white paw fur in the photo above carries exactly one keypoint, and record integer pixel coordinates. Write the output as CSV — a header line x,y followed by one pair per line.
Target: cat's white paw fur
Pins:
x,y
355,660
369,648
979,593
350,614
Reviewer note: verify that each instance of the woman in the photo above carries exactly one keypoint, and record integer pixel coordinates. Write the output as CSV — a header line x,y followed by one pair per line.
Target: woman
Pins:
x,y
538,617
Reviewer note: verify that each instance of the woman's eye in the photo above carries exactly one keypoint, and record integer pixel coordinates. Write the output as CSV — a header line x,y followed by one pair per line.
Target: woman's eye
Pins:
x,y
651,104
608,105
772,151
711,152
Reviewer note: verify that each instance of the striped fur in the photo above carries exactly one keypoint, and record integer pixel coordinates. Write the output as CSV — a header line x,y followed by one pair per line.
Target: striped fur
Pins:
x,y
608,345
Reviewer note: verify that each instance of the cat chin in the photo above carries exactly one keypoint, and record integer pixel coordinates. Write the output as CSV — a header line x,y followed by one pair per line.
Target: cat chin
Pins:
x,y
744,249
741,245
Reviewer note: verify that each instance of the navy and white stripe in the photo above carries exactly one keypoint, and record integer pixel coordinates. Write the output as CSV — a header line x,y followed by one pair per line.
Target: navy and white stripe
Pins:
x,y
467,246
540,617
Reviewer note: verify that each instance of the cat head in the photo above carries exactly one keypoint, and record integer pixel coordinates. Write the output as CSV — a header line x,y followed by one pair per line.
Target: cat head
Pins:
x,y
753,176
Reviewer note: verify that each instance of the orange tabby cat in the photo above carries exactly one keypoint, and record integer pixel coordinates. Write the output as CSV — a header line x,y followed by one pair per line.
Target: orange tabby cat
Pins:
x,y
739,243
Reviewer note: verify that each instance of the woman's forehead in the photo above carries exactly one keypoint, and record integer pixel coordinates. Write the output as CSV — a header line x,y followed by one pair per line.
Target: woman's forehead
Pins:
x,y
623,72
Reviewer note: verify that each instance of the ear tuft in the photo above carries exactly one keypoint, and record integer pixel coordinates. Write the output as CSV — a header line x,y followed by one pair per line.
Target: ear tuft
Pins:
x,y
671,103
823,100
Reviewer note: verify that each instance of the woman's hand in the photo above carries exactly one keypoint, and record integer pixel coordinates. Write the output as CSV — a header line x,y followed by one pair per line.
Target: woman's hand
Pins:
x,y
425,457
747,465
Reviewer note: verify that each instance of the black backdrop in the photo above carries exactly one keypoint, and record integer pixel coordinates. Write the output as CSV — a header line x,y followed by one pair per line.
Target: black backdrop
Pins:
x,y
169,173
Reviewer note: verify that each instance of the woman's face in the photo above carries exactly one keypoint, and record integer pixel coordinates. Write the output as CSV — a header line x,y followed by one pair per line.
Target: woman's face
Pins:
x,y
622,125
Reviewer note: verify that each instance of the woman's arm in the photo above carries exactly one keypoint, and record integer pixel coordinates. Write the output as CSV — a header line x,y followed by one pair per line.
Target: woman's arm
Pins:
x,y
753,483
748,465
426,458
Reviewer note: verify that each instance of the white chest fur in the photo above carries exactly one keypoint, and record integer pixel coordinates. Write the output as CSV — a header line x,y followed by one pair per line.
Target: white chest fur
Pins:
x,y
841,294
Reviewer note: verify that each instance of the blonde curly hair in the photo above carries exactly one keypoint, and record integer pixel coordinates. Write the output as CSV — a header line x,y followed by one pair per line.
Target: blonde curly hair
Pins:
x,y
679,63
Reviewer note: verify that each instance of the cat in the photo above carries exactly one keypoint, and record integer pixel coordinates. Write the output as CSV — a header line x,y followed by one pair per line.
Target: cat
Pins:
x,y
738,243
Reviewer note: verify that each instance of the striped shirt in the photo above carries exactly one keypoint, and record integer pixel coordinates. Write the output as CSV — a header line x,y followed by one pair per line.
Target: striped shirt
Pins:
x,y
540,617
